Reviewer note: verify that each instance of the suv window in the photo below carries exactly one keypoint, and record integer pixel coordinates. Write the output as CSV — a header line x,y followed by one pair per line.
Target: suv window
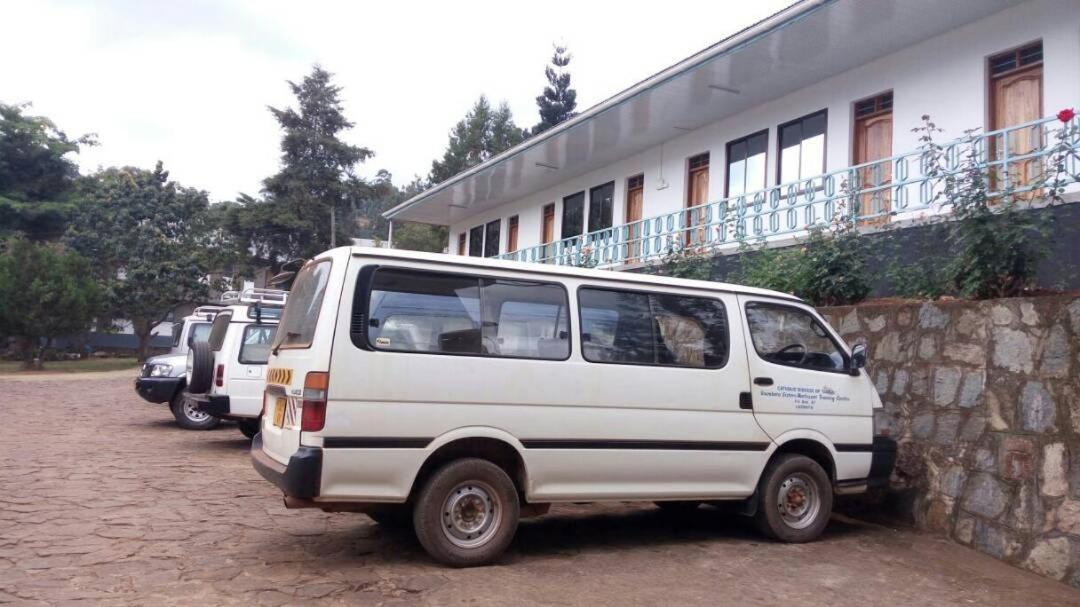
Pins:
x,y
255,344
199,332
791,336
436,312
301,315
633,327
218,329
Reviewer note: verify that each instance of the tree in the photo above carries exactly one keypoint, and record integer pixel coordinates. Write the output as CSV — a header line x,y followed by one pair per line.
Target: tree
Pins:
x,y
558,101
144,234
316,178
46,292
481,134
36,177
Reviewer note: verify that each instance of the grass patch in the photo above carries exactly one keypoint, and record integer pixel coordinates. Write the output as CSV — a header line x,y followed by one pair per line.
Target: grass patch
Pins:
x,y
83,365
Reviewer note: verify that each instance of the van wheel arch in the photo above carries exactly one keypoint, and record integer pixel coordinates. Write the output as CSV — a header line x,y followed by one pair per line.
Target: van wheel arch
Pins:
x,y
498,452
811,448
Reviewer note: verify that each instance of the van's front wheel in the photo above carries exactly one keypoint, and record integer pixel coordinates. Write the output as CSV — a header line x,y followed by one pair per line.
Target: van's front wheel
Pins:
x,y
467,513
796,499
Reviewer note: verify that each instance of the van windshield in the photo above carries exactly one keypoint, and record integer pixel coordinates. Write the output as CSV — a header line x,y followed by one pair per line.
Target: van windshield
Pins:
x,y
297,327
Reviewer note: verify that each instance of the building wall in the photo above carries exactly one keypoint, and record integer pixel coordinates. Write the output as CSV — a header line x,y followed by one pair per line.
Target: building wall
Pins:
x,y
982,398
945,76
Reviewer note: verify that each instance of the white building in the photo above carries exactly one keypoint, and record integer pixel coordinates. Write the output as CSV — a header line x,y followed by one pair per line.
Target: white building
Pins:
x,y
768,130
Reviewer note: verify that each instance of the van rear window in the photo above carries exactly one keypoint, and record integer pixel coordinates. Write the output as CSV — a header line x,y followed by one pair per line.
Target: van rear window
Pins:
x,y
301,314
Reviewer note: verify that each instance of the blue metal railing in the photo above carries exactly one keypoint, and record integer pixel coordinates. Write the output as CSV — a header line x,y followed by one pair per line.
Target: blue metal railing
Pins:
x,y
870,194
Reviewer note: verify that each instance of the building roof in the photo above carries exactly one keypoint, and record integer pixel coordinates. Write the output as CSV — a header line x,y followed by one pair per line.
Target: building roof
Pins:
x,y
806,42
488,263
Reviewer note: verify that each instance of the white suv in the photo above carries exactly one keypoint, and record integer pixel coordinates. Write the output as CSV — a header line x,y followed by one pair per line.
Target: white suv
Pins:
x,y
163,378
228,372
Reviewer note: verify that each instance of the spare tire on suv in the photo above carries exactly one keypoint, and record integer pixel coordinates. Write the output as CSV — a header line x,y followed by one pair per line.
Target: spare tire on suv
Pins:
x,y
200,368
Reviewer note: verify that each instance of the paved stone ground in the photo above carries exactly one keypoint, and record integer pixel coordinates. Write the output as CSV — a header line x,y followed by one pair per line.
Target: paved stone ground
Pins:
x,y
103,500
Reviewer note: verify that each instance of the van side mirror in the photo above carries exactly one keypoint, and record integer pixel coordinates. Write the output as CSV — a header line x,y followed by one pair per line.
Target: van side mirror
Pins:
x,y
858,359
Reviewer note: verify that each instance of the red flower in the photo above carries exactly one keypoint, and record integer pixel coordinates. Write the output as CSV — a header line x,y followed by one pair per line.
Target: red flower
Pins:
x,y
1066,114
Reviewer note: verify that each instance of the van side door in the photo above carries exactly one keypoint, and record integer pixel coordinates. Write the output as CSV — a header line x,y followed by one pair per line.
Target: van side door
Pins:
x,y
801,386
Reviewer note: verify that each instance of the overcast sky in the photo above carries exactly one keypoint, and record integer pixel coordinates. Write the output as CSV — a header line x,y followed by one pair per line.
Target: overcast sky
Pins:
x,y
188,82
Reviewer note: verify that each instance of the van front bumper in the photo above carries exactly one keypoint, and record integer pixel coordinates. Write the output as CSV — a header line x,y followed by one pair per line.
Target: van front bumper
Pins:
x,y
158,389
299,478
216,405
882,461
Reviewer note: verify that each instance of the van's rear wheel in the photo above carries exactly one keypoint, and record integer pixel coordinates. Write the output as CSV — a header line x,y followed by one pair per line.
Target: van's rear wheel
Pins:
x,y
188,416
796,499
467,513
249,427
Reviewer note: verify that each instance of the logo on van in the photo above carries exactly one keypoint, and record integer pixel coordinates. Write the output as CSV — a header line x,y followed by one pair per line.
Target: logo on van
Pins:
x,y
279,376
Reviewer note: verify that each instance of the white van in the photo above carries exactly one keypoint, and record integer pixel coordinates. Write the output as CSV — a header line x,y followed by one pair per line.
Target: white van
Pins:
x,y
227,373
468,392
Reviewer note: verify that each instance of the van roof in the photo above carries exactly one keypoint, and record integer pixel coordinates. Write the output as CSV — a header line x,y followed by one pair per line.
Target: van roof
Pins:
x,y
555,270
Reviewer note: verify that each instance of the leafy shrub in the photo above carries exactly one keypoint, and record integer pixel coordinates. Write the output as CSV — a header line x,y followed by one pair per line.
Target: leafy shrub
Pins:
x,y
681,261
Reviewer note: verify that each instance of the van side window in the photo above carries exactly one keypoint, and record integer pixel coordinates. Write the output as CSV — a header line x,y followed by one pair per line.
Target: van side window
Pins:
x,y
791,336
255,344
436,312
632,327
217,331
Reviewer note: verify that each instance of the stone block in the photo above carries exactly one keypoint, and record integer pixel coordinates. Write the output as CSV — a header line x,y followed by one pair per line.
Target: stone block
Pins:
x,y
986,460
889,349
927,347
1001,315
881,381
971,354
1017,458
900,382
985,496
1068,517
920,381
1054,472
973,428
850,323
1074,315
965,529
1013,350
995,541
937,515
1027,511
1049,557
1054,360
948,425
876,323
1001,413
946,381
952,482
932,317
971,325
972,389
1038,413
1028,315
922,426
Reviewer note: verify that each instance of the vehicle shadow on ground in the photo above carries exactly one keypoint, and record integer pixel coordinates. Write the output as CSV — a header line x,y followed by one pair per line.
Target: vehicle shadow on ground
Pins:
x,y
559,533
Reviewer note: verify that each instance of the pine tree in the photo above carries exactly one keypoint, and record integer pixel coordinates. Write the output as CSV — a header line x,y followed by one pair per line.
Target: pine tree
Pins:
x,y
481,134
558,101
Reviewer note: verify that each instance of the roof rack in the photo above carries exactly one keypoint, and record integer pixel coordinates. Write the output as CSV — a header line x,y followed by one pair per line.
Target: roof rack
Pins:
x,y
273,297
207,310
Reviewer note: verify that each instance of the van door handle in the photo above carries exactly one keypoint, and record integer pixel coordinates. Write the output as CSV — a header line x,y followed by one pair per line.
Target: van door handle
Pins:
x,y
763,381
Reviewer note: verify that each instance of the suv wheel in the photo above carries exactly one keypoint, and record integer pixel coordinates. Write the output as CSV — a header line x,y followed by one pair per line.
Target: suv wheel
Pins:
x,y
796,499
467,513
188,417
250,427
200,368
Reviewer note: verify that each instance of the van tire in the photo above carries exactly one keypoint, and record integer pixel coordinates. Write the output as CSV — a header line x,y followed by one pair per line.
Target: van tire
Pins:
x,y
677,508
794,477
458,488
202,368
249,427
187,417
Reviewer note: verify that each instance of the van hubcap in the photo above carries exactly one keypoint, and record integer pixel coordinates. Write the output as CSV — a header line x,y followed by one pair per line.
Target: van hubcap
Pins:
x,y
471,515
798,501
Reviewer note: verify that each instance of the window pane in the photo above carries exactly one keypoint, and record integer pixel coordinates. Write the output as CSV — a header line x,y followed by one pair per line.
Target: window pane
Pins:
x,y
623,327
693,331
736,168
198,332
790,138
491,238
476,242
573,219
424,312
791,336
301,313
255,347
653,329
525,319
600,206
755,163
813,157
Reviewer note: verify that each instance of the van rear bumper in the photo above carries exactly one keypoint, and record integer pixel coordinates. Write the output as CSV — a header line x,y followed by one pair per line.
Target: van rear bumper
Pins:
x,y
300,478
212,404
882,460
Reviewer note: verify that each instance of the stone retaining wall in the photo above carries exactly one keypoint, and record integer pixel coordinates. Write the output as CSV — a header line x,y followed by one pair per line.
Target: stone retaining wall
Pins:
x,y
984,399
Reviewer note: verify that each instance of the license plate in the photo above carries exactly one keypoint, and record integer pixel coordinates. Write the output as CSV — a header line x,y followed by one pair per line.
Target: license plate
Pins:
x,y
279,412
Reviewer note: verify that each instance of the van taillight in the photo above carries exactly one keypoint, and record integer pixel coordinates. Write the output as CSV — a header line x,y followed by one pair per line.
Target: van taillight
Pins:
x,y
313,411
219,377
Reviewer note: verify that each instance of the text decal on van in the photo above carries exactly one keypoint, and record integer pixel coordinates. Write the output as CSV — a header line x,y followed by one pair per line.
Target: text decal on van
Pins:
x,y
279,376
